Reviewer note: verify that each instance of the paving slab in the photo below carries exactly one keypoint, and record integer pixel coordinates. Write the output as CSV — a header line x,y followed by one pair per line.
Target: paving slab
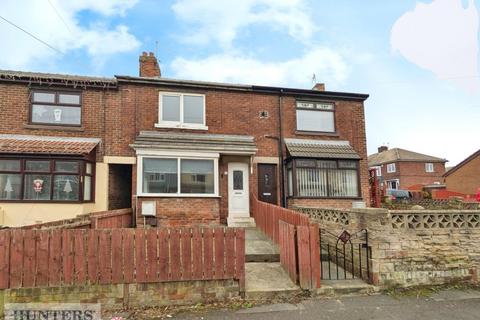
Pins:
x,y
259,248
278,307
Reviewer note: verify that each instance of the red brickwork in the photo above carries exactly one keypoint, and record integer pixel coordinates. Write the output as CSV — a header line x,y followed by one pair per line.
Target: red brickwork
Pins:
x,y
412,173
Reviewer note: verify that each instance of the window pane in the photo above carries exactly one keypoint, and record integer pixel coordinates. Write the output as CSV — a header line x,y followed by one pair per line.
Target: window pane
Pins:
x,y
193,109
69,98
311,182
197,176
37,165
315,121
44,97
343,183
65,188
237,180
37,187
87,188
56,114
159,175
88,168
170,108
66,166
290,182
9,165
10,185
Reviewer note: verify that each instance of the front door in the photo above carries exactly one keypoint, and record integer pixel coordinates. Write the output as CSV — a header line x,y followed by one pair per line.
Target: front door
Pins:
x,y
238,197
267,183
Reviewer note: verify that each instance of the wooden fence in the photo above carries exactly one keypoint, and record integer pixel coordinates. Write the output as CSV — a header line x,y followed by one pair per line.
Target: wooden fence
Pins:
x,y
297,239
43,258
267,216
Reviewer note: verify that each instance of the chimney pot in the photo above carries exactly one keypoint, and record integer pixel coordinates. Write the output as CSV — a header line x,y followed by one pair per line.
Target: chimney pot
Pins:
x,y
382,148
319,87
144,53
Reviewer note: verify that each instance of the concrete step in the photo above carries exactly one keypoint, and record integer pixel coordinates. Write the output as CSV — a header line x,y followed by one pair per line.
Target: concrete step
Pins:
x,y
268,280
262,257
346,288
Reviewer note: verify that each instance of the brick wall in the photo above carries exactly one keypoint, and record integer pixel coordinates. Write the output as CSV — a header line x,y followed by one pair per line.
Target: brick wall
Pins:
x,y
183,211
412,173
119,186
466,179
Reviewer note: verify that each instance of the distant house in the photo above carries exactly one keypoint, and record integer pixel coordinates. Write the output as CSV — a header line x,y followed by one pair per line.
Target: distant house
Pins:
x,y
400,169
464,177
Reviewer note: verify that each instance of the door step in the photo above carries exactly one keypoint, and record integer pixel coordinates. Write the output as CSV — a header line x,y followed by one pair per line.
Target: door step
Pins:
x,y
258,248
242,222
268,281
345,288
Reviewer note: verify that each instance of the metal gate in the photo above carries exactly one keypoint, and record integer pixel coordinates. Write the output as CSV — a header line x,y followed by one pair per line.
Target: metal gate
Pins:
x,y
345,256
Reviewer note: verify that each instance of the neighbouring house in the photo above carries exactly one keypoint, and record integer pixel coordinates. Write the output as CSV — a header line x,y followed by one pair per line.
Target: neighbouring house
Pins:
x,y
465,176
401,169
178,152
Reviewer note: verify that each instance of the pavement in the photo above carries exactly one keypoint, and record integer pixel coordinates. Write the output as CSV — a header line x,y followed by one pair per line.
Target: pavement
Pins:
x,y
443,305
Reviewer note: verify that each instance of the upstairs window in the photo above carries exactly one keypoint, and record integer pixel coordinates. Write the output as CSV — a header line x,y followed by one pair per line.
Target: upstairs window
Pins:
x,y
391,168
181,110
56,108
429,167
315,116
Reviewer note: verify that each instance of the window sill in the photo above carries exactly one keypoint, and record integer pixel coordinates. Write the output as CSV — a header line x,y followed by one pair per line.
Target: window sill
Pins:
x,y
175,195
327,198
181,126
53,127
316,133
45,201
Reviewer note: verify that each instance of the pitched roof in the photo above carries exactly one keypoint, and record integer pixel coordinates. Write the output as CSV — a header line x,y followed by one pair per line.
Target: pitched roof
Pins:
x,y
225,144
397,154
57,79
10,143
461,164
321,149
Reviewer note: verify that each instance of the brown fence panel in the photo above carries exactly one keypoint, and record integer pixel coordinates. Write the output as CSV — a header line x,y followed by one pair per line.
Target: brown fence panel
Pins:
x,y
40,258
4,259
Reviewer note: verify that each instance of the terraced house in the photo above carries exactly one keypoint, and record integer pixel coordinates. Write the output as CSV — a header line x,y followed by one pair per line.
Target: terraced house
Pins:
x,y
178,152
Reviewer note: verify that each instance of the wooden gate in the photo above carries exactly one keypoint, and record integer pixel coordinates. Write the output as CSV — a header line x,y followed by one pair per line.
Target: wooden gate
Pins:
x,y
299,253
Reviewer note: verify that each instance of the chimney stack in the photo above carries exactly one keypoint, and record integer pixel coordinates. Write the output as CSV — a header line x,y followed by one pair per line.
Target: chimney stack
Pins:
x,y
319,87
149,65
382,148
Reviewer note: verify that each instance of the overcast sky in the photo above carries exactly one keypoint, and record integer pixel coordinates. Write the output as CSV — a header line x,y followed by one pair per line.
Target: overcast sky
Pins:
x,y
418,60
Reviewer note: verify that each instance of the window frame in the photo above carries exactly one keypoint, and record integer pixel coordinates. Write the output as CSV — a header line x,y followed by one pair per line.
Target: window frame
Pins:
x,y
179,158
180,124
292,164
391,165
333,110
52,173
429,165
57,93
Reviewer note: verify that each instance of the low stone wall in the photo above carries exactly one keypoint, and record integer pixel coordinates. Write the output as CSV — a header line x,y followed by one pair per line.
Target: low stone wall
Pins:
x,y
413,247
128,295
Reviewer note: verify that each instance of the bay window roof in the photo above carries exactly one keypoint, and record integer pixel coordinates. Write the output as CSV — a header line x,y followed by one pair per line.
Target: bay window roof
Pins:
x,y
11,143
329,149
220,143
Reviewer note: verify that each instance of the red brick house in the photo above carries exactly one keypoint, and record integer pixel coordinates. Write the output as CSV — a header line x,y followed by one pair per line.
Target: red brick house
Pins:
x,y
400,169
179,152
465,176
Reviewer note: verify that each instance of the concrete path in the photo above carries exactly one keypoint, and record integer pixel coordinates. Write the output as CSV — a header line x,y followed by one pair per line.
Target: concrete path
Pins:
x,y
259,248
446,305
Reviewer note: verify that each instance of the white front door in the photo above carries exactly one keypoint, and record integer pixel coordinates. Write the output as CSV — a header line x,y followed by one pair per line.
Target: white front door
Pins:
x,y
238,193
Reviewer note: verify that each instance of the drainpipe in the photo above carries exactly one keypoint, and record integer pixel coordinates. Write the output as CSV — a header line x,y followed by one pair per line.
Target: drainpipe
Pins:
x,y
280,150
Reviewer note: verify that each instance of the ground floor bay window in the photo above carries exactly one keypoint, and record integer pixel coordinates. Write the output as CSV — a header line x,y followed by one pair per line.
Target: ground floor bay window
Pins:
x,y
46,180
315,178
177,176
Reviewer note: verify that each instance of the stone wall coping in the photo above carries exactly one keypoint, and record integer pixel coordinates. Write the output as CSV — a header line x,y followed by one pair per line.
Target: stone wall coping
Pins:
x,y
449,211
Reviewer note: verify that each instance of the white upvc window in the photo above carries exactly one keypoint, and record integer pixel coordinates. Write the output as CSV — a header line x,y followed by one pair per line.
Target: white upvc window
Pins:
x,y
169,175
181,110
391,168
429,167
378,170
393,184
